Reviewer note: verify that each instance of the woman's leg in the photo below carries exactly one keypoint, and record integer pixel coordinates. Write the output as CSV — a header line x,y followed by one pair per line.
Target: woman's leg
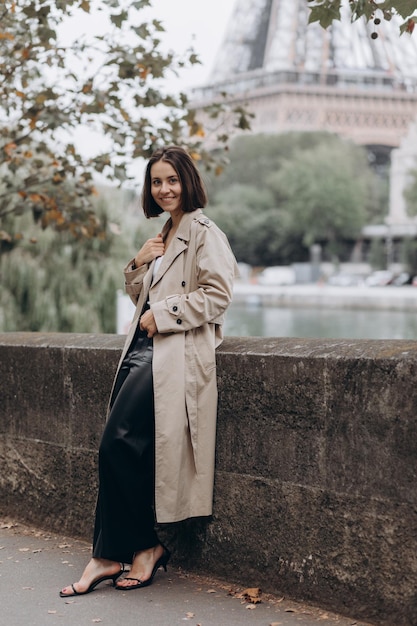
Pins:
x,y
125,517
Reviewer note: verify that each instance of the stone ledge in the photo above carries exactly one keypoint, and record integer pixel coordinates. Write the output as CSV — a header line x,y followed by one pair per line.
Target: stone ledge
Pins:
x,y
316,462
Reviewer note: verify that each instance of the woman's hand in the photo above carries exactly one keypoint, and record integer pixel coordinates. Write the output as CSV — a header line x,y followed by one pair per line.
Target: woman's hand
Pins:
x,y
151,249
147,322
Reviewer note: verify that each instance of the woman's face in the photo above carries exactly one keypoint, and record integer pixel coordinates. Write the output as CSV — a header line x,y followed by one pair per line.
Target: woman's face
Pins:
x,y
166,187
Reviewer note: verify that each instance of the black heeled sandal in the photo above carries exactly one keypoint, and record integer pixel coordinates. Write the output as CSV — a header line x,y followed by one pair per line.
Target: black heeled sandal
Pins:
x,y
161,562
93,585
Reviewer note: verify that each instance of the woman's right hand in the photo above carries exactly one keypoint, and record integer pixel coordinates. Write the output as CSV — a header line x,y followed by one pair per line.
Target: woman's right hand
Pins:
x,y
151,249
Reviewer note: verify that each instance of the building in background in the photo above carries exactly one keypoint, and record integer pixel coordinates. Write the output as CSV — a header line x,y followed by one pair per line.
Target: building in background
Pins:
x,y
299,77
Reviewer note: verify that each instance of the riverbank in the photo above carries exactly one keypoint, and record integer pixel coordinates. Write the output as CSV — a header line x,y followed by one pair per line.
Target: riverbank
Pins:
x,y
327,296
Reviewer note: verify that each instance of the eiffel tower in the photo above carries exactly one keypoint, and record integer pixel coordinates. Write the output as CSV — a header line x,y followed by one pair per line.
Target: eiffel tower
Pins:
x,y
296,76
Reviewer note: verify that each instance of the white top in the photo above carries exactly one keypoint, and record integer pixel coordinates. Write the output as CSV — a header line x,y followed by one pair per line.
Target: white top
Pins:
x,y
156,265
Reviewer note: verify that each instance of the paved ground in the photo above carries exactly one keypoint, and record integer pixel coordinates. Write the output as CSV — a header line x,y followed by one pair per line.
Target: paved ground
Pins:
x,y
34,565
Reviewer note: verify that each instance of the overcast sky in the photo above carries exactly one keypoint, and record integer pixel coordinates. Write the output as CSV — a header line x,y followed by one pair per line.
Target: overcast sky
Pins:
x,y
200,23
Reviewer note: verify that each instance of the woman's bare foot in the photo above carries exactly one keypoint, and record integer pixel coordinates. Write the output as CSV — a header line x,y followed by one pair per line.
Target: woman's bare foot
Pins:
x,y
96,569
142,567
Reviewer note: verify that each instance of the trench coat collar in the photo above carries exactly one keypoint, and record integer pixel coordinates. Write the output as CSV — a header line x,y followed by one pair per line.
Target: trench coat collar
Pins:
x,y
179,242
183,230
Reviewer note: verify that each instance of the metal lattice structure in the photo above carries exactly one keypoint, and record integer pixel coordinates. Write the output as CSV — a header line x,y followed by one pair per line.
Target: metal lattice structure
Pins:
x,y
296,76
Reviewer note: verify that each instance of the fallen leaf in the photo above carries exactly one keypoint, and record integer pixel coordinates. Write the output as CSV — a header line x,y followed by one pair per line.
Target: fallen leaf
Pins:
x,y
51,612
28,588
275,624
250,606
189,615
211,591
291,611
24,549
96,620
252,595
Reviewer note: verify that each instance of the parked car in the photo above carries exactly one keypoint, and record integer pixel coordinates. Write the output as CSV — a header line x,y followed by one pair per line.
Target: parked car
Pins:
x,y
401,279
380,278
345,280
277,275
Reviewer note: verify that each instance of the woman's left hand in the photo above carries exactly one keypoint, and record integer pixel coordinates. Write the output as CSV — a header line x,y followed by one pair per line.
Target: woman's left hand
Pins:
x,y
147,322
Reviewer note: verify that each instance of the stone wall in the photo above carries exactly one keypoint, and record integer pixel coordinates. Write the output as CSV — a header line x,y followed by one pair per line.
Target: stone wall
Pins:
x,y
315,494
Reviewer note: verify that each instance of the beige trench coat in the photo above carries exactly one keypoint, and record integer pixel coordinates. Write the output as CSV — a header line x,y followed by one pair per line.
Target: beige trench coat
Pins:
x,y
188,297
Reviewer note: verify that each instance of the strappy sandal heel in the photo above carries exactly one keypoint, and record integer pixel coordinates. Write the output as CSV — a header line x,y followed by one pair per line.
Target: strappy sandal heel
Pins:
x,y
161,562
94,584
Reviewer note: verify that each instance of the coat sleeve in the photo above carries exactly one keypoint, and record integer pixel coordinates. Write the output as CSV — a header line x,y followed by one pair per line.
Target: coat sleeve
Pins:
x,y
134,280
215,267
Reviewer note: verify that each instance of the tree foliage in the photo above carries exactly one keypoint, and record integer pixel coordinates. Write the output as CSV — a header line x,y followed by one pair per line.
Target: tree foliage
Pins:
x,y
111,84
327,11
325,191
63,284
283,193
60,284
410,194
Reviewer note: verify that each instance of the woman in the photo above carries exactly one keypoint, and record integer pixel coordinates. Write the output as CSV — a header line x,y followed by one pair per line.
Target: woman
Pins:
x,y
156,458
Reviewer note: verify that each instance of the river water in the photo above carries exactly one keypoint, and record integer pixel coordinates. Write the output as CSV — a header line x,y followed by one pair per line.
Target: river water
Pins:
x,y
248,320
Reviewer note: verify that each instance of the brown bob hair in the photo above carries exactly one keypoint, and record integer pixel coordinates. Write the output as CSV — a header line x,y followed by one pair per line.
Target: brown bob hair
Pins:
x,y
192,187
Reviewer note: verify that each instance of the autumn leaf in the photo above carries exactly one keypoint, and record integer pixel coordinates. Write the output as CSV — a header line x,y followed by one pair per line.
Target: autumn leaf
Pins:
x,y
5,237
9,147
143,71
253,595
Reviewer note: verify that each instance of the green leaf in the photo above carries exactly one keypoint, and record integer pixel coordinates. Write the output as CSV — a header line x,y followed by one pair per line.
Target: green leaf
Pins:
x,y
118,20
408,26
324,15
405,8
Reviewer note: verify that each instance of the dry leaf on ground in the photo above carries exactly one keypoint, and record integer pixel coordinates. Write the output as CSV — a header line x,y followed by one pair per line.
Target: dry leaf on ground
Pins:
x,y
252,595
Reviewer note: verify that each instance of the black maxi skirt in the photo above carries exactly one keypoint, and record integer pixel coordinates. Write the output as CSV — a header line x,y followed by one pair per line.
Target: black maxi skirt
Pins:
x,y
125,518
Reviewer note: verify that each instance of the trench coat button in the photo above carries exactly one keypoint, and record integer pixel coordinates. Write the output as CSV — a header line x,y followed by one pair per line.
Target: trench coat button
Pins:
x,y
183,283
175,309
179,321
207,221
